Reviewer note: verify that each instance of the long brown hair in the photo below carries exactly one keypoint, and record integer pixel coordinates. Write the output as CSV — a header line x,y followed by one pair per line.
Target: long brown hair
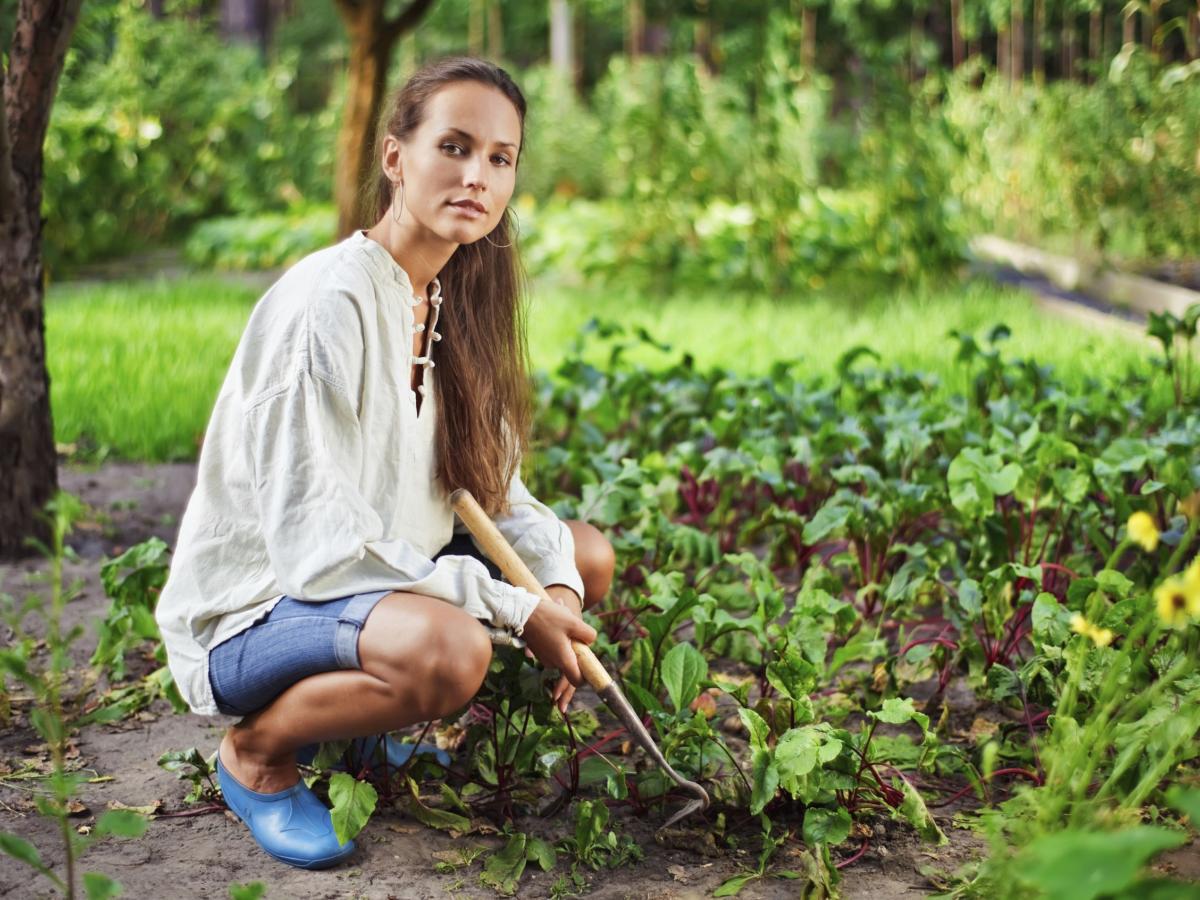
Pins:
x,y
483,391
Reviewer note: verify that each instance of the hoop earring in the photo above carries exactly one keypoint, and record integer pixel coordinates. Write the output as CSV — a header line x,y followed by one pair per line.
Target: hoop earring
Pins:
x,y
396,212
511,239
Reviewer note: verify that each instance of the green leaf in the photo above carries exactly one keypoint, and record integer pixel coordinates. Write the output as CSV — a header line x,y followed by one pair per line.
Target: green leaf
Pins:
x,y
731,886
828,518
683,668
541,852
442,819
503,870
20,849
826,826
796,752
353,803
897,711
914,811
120,823
1084,865
1051,620
765,780
756,727
253,890
792,675
97,886
976,479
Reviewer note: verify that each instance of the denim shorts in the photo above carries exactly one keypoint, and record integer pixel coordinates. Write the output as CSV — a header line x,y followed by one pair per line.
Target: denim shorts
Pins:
x,y
296,639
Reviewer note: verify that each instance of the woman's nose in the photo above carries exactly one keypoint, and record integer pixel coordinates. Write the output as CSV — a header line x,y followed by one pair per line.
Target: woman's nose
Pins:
x,y
475,175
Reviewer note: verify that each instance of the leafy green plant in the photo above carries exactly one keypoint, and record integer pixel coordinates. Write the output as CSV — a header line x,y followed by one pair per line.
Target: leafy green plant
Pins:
x,y
50,716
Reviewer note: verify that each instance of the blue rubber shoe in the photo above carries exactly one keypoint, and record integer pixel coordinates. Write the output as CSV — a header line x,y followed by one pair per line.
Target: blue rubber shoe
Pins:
x,y
365,751
292,825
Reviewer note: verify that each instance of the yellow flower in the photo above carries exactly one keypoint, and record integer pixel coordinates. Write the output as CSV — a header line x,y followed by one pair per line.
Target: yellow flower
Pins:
x,y
1178,599
1142,530
1101,637
1192,574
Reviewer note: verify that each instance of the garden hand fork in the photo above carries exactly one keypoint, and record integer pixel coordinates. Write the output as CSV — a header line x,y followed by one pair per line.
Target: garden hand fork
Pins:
x,y
492,542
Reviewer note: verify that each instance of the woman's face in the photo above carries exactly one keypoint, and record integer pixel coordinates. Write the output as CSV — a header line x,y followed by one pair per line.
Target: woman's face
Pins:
x,y
459,167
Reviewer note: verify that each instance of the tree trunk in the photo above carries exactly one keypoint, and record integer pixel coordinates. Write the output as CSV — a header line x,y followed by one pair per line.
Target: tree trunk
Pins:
x,y
28,467
1194,48
635,39
957,54
702,37
372,39
1068,46
808,46
1150,26
1018,41
1095,40
475,15
562,49
1003,57
1039,39
495,31
1129,27
247,21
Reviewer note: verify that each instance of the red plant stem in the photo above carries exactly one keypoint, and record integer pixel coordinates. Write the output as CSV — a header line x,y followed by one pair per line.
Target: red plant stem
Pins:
x,y
1055,567
850,860
939,640
1032,523
1049,531
594,749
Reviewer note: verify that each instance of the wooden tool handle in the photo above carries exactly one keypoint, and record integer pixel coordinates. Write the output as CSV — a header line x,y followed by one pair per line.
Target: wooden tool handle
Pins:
x,y
499,551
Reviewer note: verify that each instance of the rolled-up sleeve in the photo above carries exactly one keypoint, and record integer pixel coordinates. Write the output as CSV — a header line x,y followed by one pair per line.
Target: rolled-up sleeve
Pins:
x,y
323,538
540,538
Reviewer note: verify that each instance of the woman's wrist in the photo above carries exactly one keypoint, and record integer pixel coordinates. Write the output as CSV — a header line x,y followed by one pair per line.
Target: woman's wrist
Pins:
x,y
565,596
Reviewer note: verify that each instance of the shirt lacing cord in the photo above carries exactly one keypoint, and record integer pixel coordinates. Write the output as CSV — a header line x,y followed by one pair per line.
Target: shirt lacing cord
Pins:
x,y
435,302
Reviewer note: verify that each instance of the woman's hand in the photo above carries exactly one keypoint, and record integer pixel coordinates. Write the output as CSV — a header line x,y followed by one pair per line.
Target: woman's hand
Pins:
x,y
564,691
548,634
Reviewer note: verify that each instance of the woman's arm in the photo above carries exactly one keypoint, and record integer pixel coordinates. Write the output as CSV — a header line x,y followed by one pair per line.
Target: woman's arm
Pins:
x,y
323,538
543,542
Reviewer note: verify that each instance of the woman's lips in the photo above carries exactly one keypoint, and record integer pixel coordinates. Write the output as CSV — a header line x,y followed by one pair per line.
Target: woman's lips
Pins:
x,y
468,209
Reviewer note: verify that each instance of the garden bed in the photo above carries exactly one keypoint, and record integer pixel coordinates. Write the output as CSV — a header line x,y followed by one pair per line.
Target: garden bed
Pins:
x,y
199,855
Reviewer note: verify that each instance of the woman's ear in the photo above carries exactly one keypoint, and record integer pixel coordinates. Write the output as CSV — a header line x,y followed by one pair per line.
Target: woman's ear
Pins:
x,y
393,159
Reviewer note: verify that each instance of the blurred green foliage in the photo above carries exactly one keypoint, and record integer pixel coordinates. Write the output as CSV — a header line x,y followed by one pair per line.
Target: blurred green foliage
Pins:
x,y
1114,164
743,167
158,124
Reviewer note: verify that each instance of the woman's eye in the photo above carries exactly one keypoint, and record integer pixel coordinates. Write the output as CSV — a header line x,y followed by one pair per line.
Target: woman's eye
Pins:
x,y
502,160
452,149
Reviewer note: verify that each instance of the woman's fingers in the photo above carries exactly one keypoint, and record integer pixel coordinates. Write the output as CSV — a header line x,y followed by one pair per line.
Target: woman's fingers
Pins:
x,y
563,692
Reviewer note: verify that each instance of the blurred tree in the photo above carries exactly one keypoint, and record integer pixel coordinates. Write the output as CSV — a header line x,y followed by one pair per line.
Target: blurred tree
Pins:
x,y
249,21
28,469
562,45
373,36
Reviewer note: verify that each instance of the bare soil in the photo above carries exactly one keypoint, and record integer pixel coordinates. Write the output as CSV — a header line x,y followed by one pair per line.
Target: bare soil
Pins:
x,y
200,855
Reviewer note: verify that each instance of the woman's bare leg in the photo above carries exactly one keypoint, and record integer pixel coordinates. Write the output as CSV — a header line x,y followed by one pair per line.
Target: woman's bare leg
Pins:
x,y
421,659
595,560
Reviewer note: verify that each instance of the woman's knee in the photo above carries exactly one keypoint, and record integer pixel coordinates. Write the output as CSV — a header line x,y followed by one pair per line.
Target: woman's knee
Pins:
x,y
432,654
595,560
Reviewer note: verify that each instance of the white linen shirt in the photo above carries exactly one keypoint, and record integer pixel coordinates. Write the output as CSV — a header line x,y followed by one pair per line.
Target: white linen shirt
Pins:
x,y
317,474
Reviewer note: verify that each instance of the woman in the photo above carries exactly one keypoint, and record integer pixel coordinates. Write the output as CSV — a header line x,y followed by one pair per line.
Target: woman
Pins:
x,y
315,589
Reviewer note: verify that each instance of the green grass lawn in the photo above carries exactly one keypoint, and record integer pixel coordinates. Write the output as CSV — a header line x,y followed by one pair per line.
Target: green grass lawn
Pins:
x,y
135,366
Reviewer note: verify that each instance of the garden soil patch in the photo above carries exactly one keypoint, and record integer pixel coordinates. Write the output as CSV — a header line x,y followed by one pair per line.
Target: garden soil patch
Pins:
x,y
200,855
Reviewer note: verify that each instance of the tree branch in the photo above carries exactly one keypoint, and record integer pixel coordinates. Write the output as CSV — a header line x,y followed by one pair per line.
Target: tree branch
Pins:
x,y
407,20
